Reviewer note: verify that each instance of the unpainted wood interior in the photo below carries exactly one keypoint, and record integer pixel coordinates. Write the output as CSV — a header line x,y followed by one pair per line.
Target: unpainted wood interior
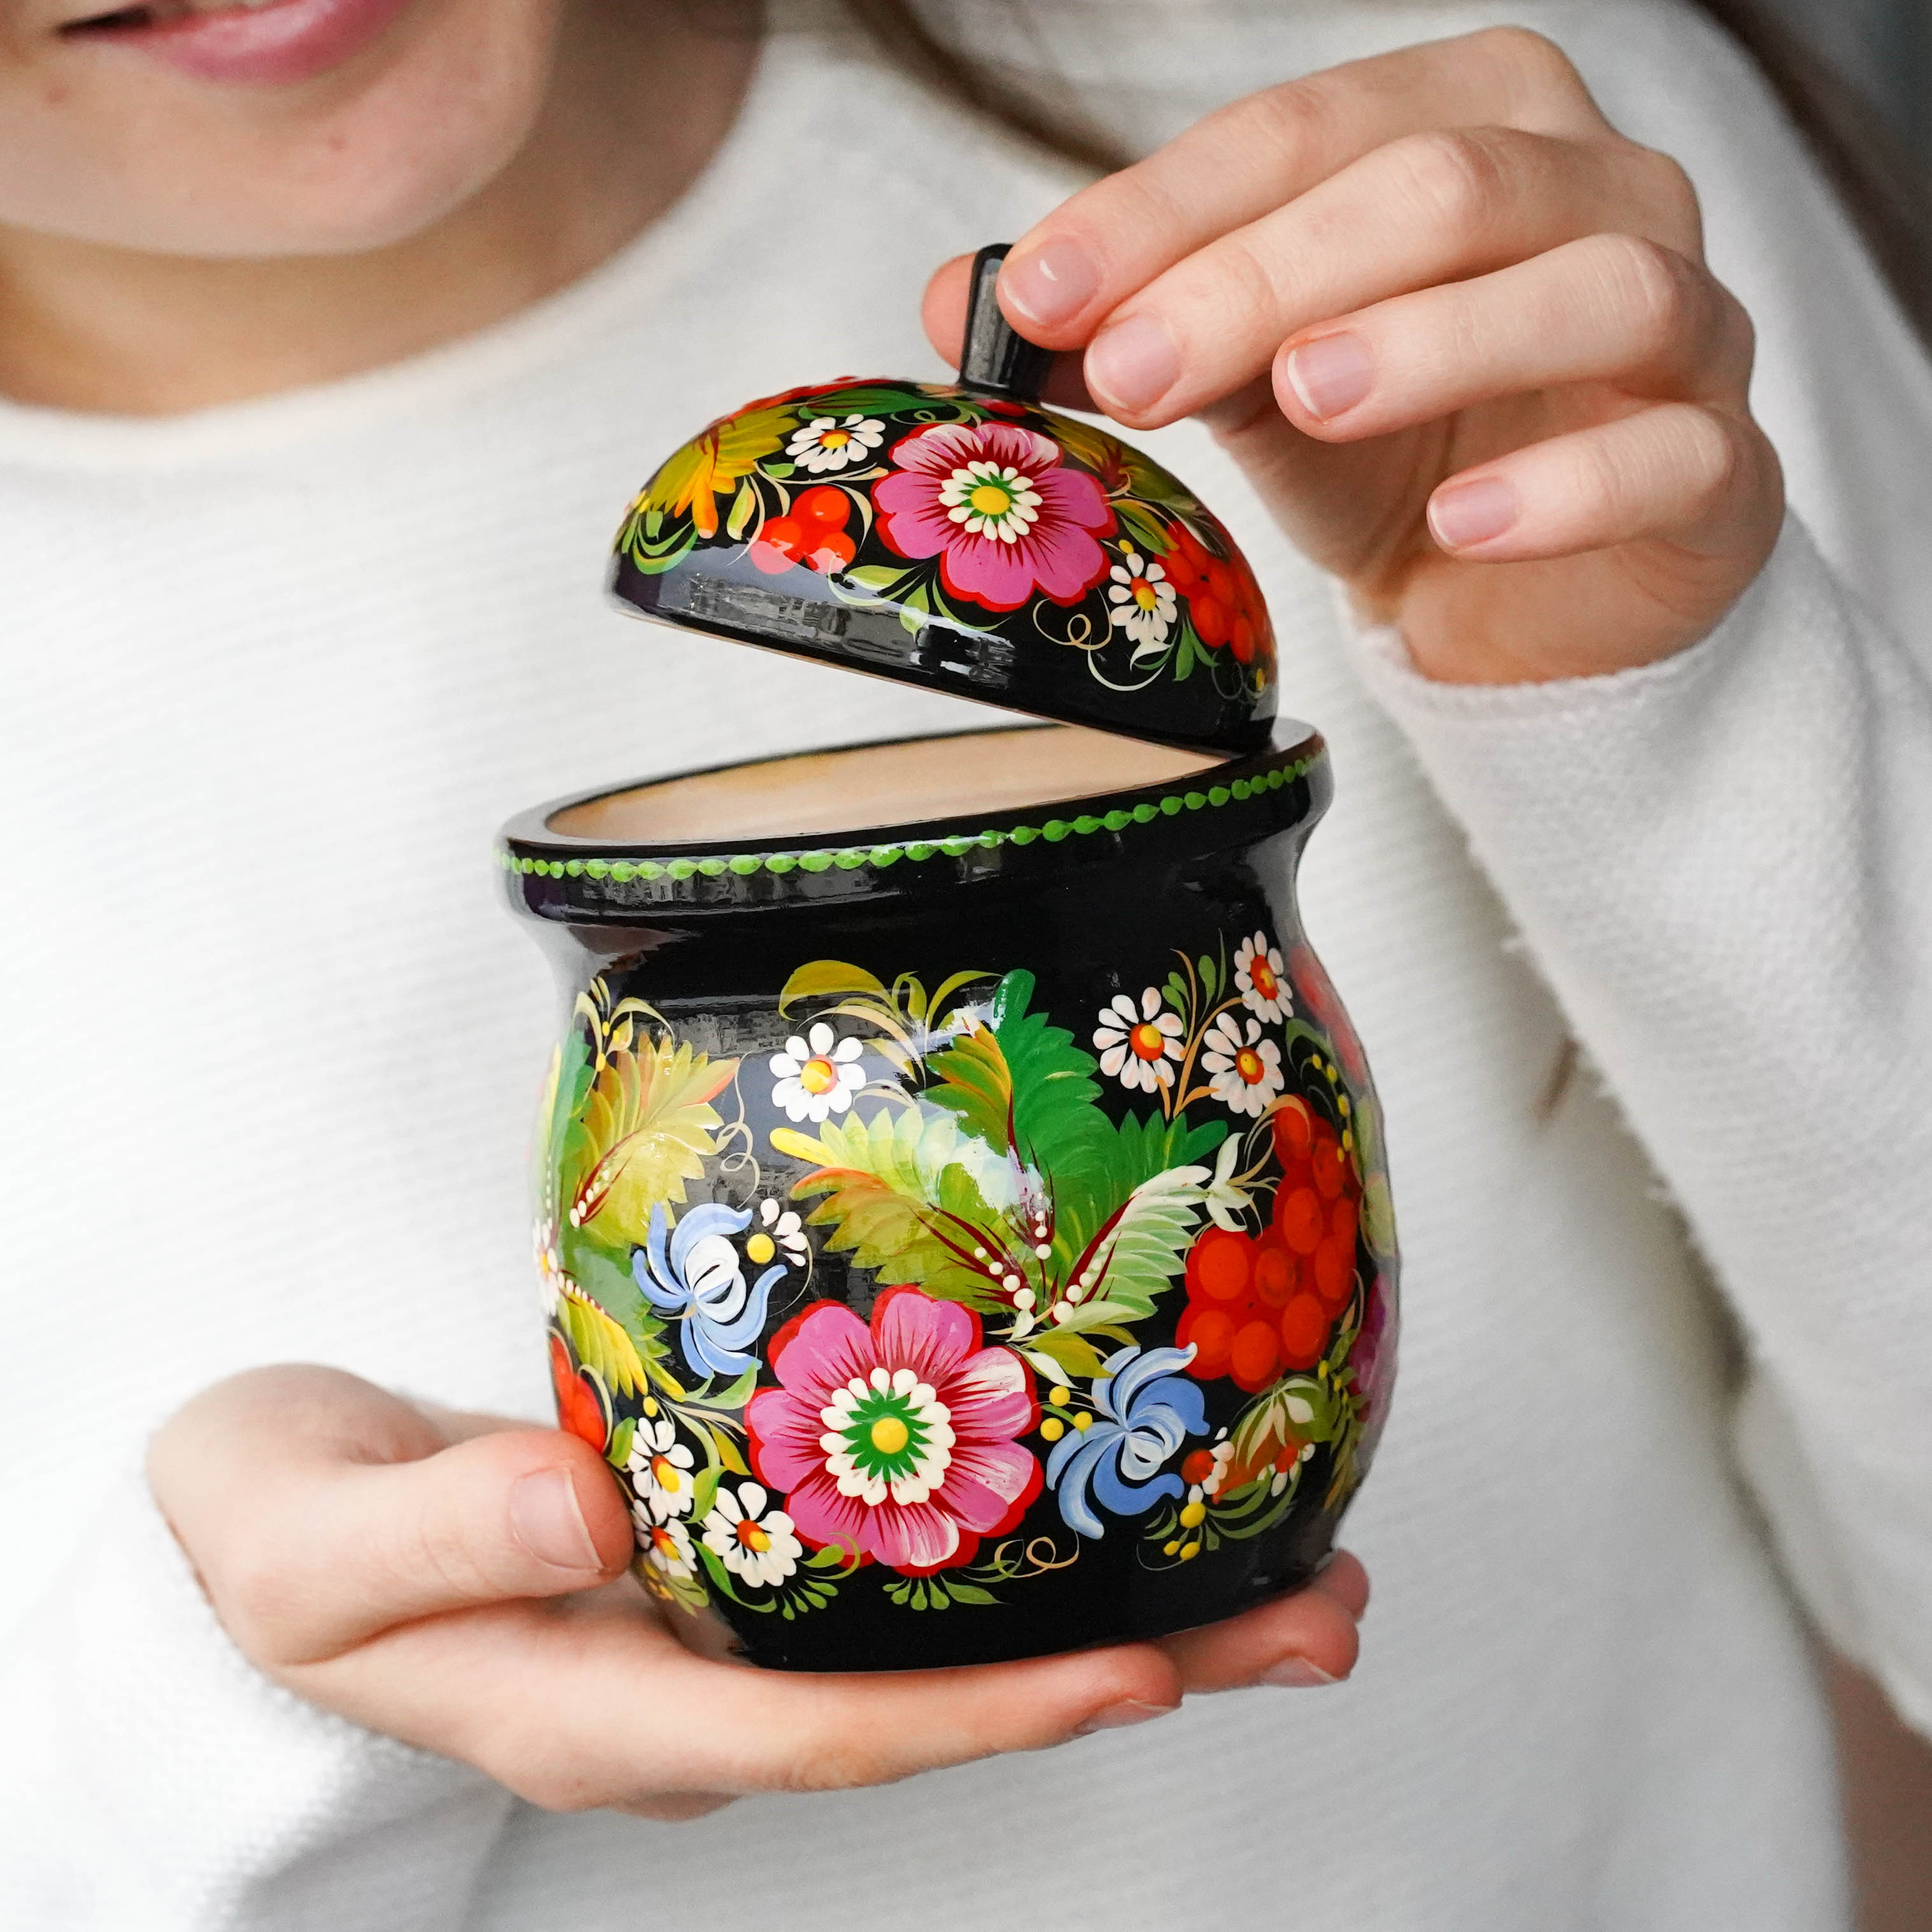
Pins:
x,y
821,794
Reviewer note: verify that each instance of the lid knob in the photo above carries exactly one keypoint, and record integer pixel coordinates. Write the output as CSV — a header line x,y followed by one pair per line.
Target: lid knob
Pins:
x,y
996,358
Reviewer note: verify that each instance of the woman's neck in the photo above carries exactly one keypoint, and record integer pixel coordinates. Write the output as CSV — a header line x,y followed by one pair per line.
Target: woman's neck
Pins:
x,y
639,103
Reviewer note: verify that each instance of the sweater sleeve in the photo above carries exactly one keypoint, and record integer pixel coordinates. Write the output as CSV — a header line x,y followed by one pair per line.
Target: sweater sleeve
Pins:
x,y
270,1812
1723,864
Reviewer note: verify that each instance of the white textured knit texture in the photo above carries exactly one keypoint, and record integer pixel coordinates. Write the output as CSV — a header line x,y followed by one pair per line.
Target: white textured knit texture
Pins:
x,y
1744,950
274,674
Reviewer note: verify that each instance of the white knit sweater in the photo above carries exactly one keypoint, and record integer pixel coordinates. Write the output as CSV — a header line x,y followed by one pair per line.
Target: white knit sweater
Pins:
x,y
273,674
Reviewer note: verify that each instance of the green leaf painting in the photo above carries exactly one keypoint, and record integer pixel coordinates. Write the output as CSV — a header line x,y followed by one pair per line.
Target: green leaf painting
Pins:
x,y
906,1194
642,1130
601,1343
1008,1124
1022,1084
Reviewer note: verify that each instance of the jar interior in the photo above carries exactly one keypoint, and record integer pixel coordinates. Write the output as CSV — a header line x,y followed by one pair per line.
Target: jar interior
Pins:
x,y
819,793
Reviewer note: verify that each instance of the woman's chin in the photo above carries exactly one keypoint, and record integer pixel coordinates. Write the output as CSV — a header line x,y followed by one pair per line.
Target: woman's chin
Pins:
x,y
220,143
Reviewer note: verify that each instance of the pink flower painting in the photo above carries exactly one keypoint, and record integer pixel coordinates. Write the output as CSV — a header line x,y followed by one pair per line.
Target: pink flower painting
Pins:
x,y
995,503
896,1440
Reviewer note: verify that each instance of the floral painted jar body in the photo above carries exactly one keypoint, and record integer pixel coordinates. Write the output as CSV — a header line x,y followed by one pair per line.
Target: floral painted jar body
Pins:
x,y
965,1233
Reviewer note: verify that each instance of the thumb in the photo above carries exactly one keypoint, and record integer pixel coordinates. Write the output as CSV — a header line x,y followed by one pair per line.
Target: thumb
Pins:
x,y
519,1513
319,1510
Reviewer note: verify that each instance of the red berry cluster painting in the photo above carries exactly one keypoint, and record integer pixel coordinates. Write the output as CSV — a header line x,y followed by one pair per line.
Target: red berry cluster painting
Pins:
x,y
1258,1303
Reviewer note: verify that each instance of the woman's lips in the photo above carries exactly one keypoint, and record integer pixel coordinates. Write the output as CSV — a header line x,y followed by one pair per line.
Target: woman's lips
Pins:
x,y
282,40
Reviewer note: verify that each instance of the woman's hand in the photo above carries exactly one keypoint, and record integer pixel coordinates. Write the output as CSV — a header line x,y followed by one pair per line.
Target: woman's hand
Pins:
x,y
459,1582
1458,330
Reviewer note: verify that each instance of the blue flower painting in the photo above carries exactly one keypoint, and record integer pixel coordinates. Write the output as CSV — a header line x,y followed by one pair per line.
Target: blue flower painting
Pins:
x,y
1144,1409
694,1273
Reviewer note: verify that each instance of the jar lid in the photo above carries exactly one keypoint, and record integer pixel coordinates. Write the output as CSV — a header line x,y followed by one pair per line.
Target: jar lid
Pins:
x,y
961,537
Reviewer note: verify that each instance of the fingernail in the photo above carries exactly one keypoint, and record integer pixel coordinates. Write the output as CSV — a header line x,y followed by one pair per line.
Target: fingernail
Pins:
x,y
1118,1717
545,1519
1330,374
1050,284
1132,364
1465,514
1296,1673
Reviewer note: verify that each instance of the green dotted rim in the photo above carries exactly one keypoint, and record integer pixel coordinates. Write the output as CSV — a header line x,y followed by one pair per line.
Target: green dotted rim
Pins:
x,y
849,858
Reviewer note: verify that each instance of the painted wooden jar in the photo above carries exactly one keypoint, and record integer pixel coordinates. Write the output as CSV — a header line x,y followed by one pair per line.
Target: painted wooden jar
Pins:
x,y
962,1214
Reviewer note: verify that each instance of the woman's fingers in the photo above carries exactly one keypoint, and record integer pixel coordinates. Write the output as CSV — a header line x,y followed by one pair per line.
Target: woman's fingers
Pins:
x,y
738,1730
319,1510
1672,470
1070,272
1430,209
1294,1643
760,1731
1609,308
1345,1581
594,1703
677,1808
732,1730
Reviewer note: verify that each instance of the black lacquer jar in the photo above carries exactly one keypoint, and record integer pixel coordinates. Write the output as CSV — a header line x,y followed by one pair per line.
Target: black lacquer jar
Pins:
x,y
962,1209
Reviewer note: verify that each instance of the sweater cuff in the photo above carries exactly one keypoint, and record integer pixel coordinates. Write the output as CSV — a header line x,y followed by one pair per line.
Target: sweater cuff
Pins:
x,y
1530,718
152,1775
